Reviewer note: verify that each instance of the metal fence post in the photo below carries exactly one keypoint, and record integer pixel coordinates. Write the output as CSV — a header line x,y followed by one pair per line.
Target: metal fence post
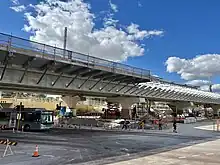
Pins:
x,y
54,53
44,49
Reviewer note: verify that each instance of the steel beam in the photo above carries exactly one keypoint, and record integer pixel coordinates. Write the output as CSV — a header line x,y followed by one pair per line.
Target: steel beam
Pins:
x,y
149,92
173,93
134,91
146,89
141,88
165,93
71,81
132,82
135,86
80,86
106,84
26,65
153,94
160,93
95,83
114,86
186,96
45,67
5,63
42,76
118,90
58,77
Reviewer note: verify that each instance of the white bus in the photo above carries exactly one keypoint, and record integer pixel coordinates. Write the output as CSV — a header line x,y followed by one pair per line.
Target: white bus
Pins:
x,y
30,119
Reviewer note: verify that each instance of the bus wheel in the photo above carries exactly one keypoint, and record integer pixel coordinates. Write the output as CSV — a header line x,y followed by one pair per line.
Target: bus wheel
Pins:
x,y
27,128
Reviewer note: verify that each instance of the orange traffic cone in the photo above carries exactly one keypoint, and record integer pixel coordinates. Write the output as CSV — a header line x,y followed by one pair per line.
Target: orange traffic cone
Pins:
x,y
36,154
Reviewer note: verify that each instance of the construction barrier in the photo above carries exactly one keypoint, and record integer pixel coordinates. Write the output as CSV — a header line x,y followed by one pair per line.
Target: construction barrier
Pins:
x,y
5,142
2,127
8,147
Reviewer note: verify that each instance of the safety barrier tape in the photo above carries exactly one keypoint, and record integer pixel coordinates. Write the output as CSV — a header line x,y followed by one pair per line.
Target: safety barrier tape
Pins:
x,y
12,143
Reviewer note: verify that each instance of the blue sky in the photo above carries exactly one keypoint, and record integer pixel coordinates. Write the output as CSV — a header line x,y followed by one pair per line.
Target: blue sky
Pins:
x,y
190,28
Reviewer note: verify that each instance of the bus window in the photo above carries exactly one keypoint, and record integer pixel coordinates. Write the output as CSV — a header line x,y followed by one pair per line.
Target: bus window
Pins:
x,y
37,116
29,117
4,116
46,117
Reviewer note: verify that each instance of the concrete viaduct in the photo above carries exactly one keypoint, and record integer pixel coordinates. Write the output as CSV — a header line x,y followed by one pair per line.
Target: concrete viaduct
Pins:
x,y
35,67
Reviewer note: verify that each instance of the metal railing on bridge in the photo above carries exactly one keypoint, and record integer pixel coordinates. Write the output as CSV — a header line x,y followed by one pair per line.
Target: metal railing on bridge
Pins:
x,y
52,51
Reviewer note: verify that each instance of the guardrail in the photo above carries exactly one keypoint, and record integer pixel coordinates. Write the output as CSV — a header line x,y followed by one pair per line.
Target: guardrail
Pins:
x,y
21,43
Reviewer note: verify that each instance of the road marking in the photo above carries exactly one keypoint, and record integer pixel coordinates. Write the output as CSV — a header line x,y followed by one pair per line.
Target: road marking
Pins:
x,y
182,157
75,150
49,156
62,149
71,160
209,154
195,155
19,152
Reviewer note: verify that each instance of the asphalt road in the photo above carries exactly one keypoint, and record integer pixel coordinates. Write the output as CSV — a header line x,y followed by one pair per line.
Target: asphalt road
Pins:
x,y
68,147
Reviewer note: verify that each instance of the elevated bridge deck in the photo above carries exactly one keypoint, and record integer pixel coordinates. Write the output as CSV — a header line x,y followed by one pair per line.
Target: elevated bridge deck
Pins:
x,y
68,62
36,67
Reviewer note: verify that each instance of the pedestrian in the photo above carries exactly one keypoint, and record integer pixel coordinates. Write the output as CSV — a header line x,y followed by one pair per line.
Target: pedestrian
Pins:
x,y
125,125
160,124
142,125
174,125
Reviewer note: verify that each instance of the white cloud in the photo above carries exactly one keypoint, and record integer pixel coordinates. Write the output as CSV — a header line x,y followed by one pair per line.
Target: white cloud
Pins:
x,y
139,4
51,16
135,33
216,88
113,6
203,66
198,82
15,2
205,85
205,88
18,8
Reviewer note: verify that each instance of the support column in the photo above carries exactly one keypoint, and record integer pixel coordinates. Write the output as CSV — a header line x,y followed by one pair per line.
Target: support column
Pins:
x,y
126,103
71,101
216,109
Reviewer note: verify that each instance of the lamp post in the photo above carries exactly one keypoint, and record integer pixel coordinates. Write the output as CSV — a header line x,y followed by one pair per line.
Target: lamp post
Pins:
x,y
19,116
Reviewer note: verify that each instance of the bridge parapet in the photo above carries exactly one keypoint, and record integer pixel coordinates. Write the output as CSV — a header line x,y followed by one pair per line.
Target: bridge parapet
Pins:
x,y
25,46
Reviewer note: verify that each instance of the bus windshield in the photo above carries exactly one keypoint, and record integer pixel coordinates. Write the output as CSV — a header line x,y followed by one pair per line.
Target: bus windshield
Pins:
x,y
46,117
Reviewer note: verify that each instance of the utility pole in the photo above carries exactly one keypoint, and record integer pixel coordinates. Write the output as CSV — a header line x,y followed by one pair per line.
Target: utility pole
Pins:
x,y
19,116
65,41
210,85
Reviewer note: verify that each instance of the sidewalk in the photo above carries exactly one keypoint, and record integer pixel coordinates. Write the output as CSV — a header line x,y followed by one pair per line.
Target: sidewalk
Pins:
x,y
165,131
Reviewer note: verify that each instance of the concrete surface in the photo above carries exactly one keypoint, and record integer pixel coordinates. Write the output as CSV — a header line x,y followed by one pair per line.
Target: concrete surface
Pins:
x,y
96,147
204,153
